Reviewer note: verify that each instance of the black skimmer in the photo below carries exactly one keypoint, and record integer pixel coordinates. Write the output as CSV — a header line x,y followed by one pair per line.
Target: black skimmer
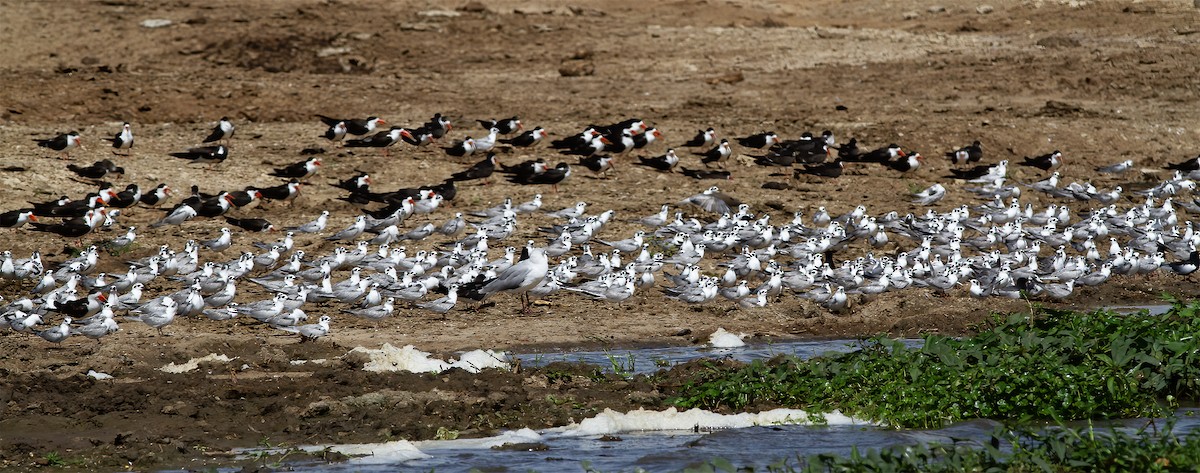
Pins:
x,y
596,144
446,189
980,171
707,174
1189,165
437,126
205,154
760,140
361,182
122,140
63,143
420,137
598,164
506,126
553,176
480,170
336,132
1044,162
72,228
642,140
969,154
285,192
906,164
850,150
466,147
47,208
251,224
157,196
214,207
575,141
527,139
806,150
222,132
879,155
717,154
245,197
383,139
831,169
354,126
97,170
620,145
301,170
703,139
666,162
126,198
525,170
16,218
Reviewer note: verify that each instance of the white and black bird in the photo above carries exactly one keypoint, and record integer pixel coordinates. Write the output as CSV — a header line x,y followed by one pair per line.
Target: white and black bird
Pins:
x,y
63,143
713,200
222,132
123,139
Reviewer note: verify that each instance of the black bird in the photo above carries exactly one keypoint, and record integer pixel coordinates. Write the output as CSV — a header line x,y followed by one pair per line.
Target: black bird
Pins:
x,y
300,170
361,182
1186,166
641,140
527,139
718,154
285,191
156,196
251,224
908,163
214,207
223,131
418,137
437,126
63,143
204,154
479,170
598,164
1187,266
446,189
71,228
706,174
524,170
466,147
47,208
505,126
666,162
553,176
760,140
806,150
831,169
702,139
354,126
880,155
126,198
16,218
383,139
976,172
245,197
122,140
336,132
850,150
575,141
969,154
1044,162
97,170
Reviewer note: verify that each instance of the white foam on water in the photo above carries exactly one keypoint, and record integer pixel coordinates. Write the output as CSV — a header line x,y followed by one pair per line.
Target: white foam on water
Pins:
x,y
194,363
613,422
389,358
606,423
723,339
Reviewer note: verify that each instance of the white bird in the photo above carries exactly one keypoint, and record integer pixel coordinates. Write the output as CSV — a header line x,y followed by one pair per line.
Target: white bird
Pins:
x,y
518,278
156,315
311,332
444,304
930,195
713,200
351,232
317,225
375,312
181,213
57,334
221,243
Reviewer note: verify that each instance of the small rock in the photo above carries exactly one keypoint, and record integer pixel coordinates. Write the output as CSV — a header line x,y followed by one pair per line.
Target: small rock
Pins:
x,y
362,36
577,69
910,15
474,7
326,52
156,23
984,9
439,13
89,61
936,9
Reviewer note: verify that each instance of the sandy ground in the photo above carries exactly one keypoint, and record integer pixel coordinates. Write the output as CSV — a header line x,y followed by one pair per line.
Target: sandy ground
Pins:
x,y
1105,81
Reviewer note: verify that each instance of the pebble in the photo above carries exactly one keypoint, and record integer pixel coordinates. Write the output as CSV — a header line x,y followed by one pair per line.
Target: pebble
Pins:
x,y
984,9
156,23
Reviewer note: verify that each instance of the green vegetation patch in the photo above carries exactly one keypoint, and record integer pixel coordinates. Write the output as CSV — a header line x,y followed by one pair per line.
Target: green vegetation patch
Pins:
x,y
1053,364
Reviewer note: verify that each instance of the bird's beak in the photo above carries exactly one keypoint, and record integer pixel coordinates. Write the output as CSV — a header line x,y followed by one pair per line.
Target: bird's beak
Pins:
x,y
33,218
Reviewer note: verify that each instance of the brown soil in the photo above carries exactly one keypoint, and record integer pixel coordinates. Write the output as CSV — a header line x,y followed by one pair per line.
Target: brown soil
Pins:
x,y
1104,81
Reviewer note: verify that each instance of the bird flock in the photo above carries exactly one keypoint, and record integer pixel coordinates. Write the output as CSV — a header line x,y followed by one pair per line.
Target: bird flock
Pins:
x,y
391,262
